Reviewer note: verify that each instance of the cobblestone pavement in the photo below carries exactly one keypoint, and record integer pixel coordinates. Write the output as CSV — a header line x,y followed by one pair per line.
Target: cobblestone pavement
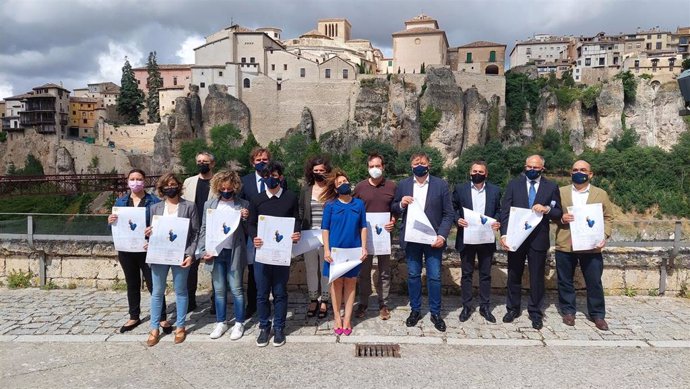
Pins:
x,y
97,315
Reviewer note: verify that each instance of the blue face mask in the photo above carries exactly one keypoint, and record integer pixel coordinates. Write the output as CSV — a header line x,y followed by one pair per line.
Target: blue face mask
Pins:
x,y
533,174
271,182
344,189
420,170
580,177
259,166
227,195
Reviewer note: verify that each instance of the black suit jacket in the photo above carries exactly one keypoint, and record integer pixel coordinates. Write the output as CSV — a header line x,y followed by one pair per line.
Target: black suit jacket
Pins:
x,y
516,195
249,189
462,197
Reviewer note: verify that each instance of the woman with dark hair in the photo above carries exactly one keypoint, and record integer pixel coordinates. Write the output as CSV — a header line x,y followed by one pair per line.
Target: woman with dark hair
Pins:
x,y
344,226
311,212
170,189
134,264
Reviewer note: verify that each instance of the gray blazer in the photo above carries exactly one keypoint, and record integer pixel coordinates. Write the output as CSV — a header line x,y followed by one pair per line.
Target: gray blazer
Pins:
x,y
305,206
239,238
186,209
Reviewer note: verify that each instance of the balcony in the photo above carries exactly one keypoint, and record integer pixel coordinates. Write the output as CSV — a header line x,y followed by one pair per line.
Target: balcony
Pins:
x,y
36,118
7,124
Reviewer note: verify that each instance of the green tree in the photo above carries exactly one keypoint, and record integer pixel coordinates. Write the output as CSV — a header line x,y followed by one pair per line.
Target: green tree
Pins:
x,y
428,122
629,86
153,82
130,101
422,69
567,79
521,93
685,64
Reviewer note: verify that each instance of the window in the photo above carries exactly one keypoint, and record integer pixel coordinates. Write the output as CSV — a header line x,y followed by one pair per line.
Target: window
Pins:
x,y
302,72
529,51
468,58
244,59
273,66
658,36
637,63
247,83
175,79
279,86
202,85
658,45
220,74
252,59
74,112
615,60
579,62
671,63
649,36
630,45
85,121
345,73
328,73
638,45
602,61
654,62
492,56
588,62
648,46
285,67
172,102
390,63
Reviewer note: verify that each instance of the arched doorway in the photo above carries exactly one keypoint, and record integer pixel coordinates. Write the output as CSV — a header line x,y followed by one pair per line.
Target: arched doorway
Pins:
x,y
491,69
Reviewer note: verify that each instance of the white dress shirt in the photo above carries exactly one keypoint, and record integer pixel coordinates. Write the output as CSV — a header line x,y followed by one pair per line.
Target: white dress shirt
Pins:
x,y
270,195
258,182
478,199
580,196
419,191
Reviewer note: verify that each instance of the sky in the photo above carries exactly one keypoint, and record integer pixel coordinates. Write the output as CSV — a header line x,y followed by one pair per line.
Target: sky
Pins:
x,y
76,42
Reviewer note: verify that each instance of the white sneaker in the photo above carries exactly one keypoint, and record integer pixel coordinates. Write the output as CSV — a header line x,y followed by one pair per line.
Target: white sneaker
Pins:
x,y
237,331
219,330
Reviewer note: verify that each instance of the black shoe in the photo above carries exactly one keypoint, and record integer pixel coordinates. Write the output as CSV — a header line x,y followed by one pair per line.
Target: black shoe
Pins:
x,y
486,314
262,340
278,337
413,319
537,323
130,327
191,306
510,316
465,314
439,324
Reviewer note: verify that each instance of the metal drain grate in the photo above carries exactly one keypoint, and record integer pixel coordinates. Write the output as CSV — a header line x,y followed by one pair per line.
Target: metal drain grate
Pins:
x,y
377,350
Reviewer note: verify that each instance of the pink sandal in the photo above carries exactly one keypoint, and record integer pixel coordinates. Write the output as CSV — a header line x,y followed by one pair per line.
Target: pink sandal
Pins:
x,y
347,331
338,331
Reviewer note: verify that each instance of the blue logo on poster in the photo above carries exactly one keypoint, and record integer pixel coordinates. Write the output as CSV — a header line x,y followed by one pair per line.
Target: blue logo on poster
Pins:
x,y
527,226
483,219
226,229
132,226
172,236
590,222
278,236
378,230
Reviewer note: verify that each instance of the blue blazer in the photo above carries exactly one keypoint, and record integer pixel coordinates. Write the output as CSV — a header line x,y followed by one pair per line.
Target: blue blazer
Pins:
x,y
249,189
149,200
462,197
516,195
438,207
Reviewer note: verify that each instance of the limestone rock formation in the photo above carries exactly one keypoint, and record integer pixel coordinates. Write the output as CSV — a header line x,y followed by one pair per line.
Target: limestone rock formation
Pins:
x,y
476,121
195,115
610,106
443,94
403,113
654,114
64,163
305,126
221,108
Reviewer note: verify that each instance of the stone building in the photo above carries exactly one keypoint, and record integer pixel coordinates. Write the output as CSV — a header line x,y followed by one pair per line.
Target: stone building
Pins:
x,y
172,75
46,110
478,57
421,42
13,106
84,113
541,48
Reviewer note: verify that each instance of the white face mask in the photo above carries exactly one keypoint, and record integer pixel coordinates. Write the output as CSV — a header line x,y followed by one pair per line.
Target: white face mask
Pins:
x,y
375,172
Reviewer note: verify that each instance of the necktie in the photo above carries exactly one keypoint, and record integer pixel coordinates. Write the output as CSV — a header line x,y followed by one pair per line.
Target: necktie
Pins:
x,y
532,193
263,187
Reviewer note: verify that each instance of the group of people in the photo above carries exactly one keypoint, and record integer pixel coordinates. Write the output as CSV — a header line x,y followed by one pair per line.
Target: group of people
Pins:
x,y
328,201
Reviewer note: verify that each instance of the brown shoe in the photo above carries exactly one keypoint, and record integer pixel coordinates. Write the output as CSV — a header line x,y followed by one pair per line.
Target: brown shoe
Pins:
x,y
384,314
180,335
569,319
361,311
601,324
154,337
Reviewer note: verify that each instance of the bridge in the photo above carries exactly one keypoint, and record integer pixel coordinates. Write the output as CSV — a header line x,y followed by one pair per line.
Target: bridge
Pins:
x,y
66,184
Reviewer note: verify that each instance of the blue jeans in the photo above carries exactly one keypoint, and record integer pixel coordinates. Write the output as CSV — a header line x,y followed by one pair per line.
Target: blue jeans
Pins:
x,y
432,256
225,278
271,279
592,266
159,274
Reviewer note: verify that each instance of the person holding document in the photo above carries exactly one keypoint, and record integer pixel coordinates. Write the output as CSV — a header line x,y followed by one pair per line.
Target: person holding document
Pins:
x,y
228,263
272,279
580,193
170,188
377,192
344,226
134,263
483,198
532,191
426,199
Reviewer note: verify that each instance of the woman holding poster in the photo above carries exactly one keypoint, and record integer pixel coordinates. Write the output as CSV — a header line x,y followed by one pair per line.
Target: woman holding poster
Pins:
x,y
344,226
222,240
134,262
169,187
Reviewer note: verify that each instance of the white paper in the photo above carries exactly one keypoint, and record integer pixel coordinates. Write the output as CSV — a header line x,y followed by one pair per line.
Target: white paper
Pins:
x,y
128,230
521,223
478,230
587,230
220,228
309,240
168,240
418,228
276,234
378,239
344,260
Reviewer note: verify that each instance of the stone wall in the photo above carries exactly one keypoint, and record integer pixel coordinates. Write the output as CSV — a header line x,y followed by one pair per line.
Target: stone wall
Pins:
x,y
132,138
94,264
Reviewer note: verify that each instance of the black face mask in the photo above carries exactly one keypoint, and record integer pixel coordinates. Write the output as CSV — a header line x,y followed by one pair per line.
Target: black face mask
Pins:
x,y
171,192
227,195
318,177
203,168
477,178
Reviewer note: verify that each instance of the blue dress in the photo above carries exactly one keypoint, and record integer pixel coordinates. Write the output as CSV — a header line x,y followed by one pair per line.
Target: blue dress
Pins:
x,y
344,223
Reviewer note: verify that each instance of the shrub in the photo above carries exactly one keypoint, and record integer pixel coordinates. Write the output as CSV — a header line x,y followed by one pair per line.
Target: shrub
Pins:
x,y
428,122
19,279
629,86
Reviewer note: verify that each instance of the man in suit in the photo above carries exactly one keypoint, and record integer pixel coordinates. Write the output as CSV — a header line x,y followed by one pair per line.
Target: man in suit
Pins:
x,y
432,195
197,189
581,192
484,198
529,190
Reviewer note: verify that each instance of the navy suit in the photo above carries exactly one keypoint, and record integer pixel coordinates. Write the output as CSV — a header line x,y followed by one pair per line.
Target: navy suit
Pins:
x,y
439,210
462,198
535,246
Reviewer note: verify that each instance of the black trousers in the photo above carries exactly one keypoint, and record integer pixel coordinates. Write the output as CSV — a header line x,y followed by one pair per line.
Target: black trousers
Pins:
x,y
484,254
192,282
592,265
536,260
134,266
251,289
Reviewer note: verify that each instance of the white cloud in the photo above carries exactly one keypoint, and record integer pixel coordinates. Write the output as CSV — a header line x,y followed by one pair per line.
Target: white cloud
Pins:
x,y
6,89
186,51
110,63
